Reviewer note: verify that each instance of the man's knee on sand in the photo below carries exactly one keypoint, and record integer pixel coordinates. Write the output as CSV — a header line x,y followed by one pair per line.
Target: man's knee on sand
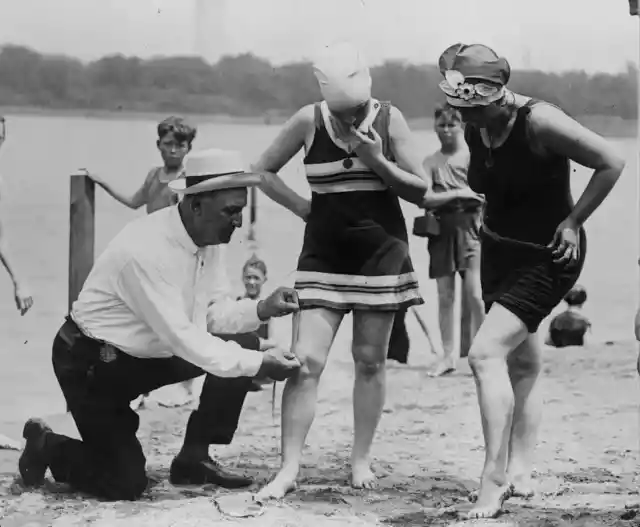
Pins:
x,y
126,483
132,489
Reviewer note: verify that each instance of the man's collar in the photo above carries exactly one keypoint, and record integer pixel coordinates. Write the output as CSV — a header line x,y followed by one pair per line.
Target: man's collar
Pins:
x,y
179,232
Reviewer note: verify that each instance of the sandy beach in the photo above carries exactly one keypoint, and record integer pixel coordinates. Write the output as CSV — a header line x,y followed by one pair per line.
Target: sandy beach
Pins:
x,y
429,450
428,454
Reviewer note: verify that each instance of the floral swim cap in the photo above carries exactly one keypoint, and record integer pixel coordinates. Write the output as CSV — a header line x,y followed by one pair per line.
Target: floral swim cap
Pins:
x,y
474,75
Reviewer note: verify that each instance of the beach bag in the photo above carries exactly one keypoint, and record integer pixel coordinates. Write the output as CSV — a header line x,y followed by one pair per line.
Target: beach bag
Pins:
x,y
426,226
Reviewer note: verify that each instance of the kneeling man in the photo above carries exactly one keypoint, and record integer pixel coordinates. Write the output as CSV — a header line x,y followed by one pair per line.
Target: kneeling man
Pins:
x,y
156,309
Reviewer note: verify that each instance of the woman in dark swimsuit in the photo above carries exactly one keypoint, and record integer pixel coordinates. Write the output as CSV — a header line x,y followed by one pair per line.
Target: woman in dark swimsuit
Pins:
x,y
533,248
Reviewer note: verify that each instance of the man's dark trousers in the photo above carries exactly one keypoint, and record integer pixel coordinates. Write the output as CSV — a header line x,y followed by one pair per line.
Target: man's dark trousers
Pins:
x,y
99,382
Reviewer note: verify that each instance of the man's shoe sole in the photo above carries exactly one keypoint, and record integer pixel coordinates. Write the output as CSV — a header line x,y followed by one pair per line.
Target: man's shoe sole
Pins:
x,y
31,465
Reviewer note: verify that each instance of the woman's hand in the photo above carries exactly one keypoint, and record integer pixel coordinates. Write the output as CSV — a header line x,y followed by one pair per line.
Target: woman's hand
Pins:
x,y
566,243
370,148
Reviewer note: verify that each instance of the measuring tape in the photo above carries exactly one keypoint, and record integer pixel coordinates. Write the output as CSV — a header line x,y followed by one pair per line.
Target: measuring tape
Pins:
x,y
295,330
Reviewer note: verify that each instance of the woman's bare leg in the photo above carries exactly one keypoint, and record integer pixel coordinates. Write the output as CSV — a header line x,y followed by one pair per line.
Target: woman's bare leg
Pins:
x,y
371,333
499,335
446,317
317,329
525,365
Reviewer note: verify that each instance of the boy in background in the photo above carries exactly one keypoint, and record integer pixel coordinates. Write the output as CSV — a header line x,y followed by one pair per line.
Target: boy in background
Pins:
x,y
456,249
175,139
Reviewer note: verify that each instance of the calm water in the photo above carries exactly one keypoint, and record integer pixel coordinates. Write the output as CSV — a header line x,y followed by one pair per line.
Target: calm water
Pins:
x,y
41,152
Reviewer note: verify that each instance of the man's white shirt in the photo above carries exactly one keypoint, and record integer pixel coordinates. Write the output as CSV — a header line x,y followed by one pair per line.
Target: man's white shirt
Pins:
x,y
153,293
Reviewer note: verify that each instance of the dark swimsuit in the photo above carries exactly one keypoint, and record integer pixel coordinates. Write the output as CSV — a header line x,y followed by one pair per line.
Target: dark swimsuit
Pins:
x,y
527,197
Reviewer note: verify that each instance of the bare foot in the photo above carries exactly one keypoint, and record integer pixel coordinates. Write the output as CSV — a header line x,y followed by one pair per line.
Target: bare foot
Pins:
x,y
441,369
522,487
362,477
489,501
282,484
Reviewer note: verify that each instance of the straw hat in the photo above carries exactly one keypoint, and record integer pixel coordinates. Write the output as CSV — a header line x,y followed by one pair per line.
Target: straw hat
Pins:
x,y
214,169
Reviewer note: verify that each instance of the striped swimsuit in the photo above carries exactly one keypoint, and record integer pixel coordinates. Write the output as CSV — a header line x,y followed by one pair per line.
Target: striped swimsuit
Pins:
x,y
355,254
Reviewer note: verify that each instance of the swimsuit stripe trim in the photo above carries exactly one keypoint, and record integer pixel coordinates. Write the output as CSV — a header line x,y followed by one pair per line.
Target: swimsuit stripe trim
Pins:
x,y
350,298
336,167
356,280
342,176
353,306
355,289
348,186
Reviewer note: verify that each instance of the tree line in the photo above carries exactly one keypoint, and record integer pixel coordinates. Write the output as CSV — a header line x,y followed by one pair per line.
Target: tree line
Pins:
x,y
249,86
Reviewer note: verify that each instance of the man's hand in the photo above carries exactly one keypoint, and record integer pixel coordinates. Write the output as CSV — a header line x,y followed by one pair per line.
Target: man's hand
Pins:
x,y
278,364
23,298
283,301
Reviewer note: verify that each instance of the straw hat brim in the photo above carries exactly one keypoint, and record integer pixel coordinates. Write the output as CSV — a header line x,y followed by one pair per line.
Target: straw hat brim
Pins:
x,y
246,179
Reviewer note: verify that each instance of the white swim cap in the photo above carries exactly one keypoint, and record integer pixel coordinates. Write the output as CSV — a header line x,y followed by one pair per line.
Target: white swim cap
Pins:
x,y
343,76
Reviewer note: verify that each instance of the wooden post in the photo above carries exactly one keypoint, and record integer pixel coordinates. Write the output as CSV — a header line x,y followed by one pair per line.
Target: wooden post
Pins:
x,y
82,232
252,242
252,206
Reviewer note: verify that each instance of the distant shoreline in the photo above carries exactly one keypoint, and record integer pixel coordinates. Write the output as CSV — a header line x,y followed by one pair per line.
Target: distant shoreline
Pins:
x,y
606,125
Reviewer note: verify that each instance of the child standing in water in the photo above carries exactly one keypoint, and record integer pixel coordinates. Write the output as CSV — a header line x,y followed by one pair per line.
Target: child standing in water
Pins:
x,y
175,139
569,328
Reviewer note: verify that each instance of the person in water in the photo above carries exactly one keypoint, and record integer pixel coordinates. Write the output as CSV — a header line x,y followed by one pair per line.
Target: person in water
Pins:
x,y
175,140
533,248
570,327
359,158
21,293
456,249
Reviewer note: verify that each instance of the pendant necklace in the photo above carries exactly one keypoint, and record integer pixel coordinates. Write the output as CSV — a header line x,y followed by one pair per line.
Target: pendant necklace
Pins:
x,y
488,162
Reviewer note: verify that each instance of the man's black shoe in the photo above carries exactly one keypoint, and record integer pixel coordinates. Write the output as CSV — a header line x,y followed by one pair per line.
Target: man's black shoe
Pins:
x,y
188,472
32,463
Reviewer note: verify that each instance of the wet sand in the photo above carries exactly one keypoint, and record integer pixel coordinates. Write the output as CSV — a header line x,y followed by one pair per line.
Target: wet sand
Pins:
x,y
428,454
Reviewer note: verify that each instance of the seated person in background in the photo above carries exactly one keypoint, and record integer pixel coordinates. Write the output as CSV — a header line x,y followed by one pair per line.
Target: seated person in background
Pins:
x,y
254,276
569,328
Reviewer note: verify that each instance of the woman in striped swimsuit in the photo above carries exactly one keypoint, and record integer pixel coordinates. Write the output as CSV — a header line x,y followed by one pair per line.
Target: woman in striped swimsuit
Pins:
x,y
355,254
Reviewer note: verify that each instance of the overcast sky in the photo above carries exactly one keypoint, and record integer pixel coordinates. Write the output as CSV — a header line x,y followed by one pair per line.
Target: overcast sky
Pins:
x,y
545,34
